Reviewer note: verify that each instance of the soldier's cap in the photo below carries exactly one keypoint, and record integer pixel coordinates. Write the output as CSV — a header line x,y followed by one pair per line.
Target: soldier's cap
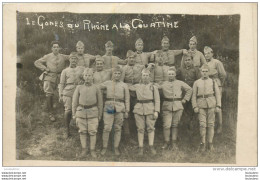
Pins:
x,y
130,53
117,68
205,66
172,69
80,44
139,41
88,71
194,39
145,70
55,42
109,44
165,38
99,58
207,49
73,54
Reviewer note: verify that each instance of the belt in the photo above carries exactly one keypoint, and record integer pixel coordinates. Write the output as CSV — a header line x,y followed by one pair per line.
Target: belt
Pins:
x,y
88,106
117,100
72,84
205,96
144,101
172,99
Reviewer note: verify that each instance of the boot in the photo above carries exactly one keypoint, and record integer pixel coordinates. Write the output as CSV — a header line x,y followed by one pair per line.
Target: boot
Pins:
x,y
103,152
174,146
93,153
92,146
84,153
140,139
117,138
166,145
202,147
152,150
49,107
210,148
219,120
83,141
140,151
105,138
116,150
67,118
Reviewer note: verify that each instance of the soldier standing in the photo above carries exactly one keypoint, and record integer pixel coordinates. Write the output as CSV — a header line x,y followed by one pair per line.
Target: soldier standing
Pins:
x,y
142,57
218,74
111,61
172,107
197,56
51,64
146,110
206,100
115,110
70,78
87,107
84,60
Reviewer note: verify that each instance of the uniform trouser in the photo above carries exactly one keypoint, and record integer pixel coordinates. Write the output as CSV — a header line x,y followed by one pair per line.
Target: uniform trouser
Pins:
x,y
219,114
111,120
142,121
67,101
207,121
171,120
87,126
129,123
49,88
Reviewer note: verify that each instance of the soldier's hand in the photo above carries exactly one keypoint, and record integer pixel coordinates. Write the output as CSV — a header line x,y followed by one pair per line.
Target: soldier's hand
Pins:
x,y
60,99
126,114
155,115
183,101
196,110
217,109
184,51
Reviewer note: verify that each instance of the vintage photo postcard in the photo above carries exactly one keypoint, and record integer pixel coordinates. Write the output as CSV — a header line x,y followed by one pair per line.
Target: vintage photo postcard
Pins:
x,y
130,84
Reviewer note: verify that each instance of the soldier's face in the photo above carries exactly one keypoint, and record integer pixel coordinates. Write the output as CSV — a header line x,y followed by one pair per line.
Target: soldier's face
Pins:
x,y
73,61
165,45
171,75
145,77
99,65
139,46
131,60
187,61
208,55
109,49
55,48
80,50
205,73
88,77
117,75
192,45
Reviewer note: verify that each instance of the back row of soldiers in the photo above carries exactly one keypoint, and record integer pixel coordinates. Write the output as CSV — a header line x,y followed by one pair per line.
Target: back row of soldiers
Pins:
x,y
149,78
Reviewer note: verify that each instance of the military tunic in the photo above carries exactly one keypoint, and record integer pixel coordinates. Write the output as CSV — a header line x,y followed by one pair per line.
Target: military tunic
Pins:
x,y
85,60
112,61
198,58
142,58
169,56
159,74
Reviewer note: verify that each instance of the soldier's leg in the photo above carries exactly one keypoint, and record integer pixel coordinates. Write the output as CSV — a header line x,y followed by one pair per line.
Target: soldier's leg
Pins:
x,y
108,123
175,123
219,116
150,123
167,120
202,120
140,124
118,123
210,125
49,91
92,131
68,113
83,126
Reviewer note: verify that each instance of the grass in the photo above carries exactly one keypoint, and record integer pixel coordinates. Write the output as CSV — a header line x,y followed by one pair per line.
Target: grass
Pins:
x,y
40,139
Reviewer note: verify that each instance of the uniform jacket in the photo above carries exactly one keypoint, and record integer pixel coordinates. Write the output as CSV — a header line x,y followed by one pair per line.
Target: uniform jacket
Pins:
x,y
85,60
102,76
198,58
188,75
159,74
112,61
143,57
132,74
217,71
169,56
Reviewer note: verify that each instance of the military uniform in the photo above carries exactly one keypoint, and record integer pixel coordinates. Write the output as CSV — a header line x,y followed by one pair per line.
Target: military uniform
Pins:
x,y
117,103
159,74
102,76
142,58
84,60
87,105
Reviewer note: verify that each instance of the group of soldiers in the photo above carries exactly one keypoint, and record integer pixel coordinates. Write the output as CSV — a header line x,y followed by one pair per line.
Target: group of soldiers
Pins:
x,y
137,89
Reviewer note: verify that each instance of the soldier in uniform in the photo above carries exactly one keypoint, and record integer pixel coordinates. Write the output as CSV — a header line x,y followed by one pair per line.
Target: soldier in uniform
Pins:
x,y
116,109
70,78
206,100
142,57
218,74
197,56
111,61
51,64
188,73
85,60
87,107
169,55
146,110
172,108
101,75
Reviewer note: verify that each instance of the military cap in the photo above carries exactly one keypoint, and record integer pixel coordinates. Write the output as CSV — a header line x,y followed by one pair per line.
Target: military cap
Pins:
x,y
117,68
99,58
194,39
145,70
205,66
165,38
109,43
139,41
207,49
55,42
73,54
80,44
88,71
130,53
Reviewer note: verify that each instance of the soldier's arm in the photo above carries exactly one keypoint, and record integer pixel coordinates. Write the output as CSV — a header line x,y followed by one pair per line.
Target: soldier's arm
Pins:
x,y
188,91
156,99
127,98
152,56
194,95
217,94
222,72
198,74
202,59
132,88
99,102
75,100
62,82
40,63
122,78
121,61
178,52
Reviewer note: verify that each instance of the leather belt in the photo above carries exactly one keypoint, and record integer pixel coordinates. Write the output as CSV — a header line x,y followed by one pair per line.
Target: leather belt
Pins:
x,y
87,106
117,100
172,99
205,96
144,101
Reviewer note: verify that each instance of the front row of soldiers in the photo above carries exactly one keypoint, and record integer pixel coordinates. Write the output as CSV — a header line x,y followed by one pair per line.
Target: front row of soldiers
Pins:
x,y
85,102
